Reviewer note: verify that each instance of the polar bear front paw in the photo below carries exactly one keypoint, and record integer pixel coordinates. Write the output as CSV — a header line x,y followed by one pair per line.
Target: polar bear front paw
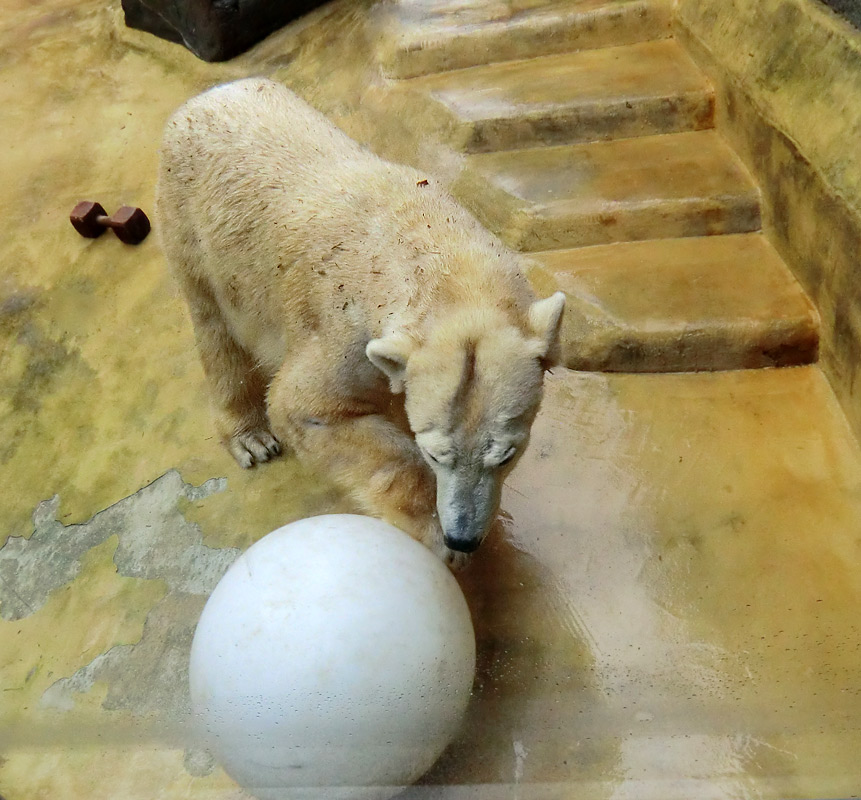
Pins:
x,y
453,559
431,536
253,447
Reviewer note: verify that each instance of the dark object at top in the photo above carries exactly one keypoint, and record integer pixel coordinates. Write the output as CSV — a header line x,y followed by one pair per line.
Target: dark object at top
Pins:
x,y
129,224
851,9
214,30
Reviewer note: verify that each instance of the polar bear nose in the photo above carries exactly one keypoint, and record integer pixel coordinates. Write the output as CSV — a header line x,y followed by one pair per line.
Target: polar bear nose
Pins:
x,y
463,537
462,544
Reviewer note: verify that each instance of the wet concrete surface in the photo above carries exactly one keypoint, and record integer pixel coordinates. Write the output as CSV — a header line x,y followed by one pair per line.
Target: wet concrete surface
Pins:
x,y
669,608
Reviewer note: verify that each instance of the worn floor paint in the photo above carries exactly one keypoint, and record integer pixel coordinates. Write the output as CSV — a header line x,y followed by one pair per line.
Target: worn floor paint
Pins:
x,y
669,609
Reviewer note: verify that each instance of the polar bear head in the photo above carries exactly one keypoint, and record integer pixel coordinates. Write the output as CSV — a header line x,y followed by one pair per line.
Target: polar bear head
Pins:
x,y
472,389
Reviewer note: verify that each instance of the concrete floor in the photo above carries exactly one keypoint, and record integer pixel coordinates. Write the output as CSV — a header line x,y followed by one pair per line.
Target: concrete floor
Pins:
x,y
670,610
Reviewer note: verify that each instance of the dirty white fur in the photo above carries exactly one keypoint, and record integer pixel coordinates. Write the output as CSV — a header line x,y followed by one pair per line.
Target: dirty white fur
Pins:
x,y
352,309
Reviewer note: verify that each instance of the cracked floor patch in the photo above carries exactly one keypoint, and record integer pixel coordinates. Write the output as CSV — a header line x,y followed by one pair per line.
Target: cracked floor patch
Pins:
x,y
148,678
155,542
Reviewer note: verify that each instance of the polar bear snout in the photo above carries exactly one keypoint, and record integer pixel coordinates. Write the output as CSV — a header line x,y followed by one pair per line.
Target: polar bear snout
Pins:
x,y
467,507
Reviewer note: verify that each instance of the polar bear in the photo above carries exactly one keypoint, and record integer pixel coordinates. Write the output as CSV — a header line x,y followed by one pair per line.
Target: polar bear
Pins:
x,y
351,309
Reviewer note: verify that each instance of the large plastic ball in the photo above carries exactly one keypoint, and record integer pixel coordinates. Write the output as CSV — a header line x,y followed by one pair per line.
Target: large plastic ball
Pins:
x,y
334,660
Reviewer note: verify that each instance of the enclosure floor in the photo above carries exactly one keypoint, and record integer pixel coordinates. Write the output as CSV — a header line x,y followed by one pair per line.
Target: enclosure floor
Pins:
x,y
669,610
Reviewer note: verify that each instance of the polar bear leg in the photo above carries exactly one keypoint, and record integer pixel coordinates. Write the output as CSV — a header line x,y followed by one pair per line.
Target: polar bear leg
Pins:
x,y
237,385
348,438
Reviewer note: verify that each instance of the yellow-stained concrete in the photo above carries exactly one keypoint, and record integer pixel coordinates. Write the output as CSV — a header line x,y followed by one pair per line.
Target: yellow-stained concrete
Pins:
x,y
77,624
800,62
684,551
665,305
788,81
142,771
668,611
544,198
425,36
101,389
613,92
556,197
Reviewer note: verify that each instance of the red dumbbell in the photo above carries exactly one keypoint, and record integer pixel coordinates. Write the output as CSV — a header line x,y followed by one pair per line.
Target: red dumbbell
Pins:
x,y
129,224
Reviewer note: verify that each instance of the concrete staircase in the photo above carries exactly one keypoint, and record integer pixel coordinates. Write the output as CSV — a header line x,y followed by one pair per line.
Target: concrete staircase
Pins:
x,y
587,140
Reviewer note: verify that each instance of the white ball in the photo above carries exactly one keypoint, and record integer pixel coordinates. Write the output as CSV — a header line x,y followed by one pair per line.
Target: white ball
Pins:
x,y
334,660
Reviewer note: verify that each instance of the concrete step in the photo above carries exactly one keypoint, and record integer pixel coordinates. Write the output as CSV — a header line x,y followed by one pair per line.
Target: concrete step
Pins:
x,y
426,36
666,186
679,305
619,92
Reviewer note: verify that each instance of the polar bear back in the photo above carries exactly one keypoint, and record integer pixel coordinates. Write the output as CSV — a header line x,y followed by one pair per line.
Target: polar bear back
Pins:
x,y
251,152
292,224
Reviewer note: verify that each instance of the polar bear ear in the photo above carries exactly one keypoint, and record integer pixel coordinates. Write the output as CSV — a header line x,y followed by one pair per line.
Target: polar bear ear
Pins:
x,y
545,321
389,355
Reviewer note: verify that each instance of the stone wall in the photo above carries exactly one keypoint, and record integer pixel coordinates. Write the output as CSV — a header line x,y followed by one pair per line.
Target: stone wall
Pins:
x,y
788,78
